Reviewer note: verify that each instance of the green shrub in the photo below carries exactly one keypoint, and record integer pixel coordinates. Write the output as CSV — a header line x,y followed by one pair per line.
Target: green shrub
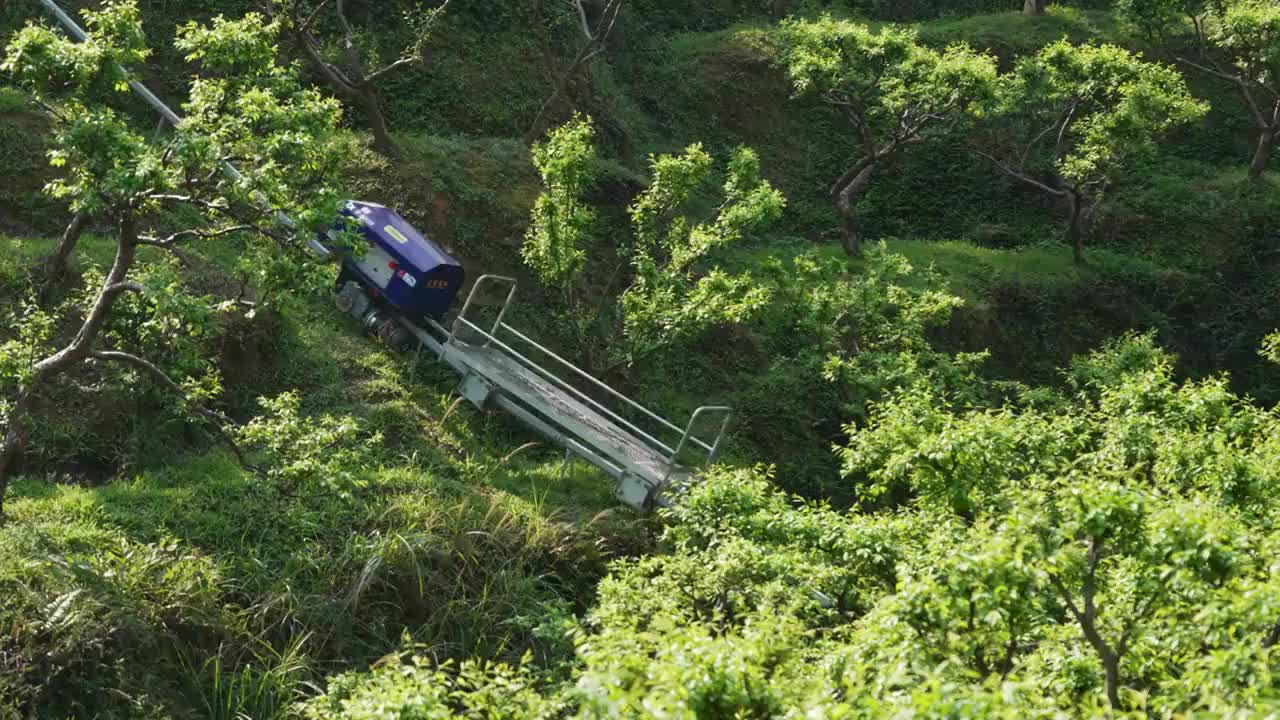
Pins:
x,y
414,689
1083,554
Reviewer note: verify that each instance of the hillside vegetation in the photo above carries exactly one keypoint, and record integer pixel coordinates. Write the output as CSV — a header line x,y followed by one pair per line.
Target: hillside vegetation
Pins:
x,y
993,294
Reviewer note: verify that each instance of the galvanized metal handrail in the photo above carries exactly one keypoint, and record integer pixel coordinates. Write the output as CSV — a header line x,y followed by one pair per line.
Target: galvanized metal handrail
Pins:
x,y
656,443
688,431
471,296
491,337
598,383
688,435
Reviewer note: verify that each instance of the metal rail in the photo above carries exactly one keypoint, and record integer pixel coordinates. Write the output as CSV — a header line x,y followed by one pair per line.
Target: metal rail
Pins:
x,y
643,463
472,295
597,383
436,345
492,340
686,434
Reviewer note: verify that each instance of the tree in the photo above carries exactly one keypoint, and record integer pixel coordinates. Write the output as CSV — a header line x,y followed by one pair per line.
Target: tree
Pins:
x,y
670,295
595,42
1069,118
127,49
355,77
1033,7
561,221
1247,33
864,333
242,106
1158,18
894,92
1123,521
1103,548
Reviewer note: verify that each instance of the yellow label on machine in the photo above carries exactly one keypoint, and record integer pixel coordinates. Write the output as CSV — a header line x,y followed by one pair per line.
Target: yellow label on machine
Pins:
x,y
399,236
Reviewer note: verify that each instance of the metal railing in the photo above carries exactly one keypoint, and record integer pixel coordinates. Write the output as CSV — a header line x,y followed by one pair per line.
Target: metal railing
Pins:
x,y
491,338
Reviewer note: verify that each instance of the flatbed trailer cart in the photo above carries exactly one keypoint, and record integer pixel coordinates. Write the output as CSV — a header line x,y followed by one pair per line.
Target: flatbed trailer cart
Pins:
x,y
646,456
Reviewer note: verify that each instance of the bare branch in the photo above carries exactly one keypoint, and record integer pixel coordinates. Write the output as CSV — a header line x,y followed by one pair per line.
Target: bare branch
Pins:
x,y
305,26
1040,135
595,46
349,48
1023,177
190,200
51,110
582,17
608,19
1211,71
1062,132
183,257
414,54
347,32
337,79
401,63
191,235
218,421
1066,597
1240,82
120,287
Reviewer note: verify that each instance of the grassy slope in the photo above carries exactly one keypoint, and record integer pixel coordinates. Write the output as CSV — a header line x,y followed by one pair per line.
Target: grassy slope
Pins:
x,y
23,207
461,539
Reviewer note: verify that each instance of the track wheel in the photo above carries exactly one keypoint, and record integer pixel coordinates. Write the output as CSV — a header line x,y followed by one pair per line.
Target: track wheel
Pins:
x,y
395,337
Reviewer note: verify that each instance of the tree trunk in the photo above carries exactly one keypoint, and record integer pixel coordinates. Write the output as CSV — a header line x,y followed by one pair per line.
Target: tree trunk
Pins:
x,y
846,200
1262,156
1076,229
15,439
779,8
538,126
70,237
377,121
850,232
1111,676
1033,7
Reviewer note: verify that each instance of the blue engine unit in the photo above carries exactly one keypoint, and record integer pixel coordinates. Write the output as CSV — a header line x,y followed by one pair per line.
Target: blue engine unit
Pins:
x,y
402,268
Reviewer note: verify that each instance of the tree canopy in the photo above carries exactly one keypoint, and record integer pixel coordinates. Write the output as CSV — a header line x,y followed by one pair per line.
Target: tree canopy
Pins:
x,y
243,105
561,222
671,296
1249,33
1068,119
894,92
1106,550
